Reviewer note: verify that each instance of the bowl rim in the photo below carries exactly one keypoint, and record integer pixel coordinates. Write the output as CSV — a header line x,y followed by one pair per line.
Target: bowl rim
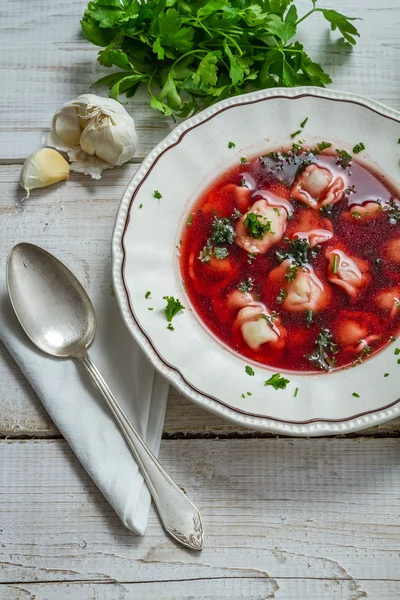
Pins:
x,y
311,427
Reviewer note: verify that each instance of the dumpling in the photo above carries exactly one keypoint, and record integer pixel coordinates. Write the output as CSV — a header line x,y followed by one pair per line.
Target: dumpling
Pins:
x,y
264,214
355,330
317,186
389,300
351,274
223,201
278,202
392,251
238,299
363,212
305,292
257,327
314,237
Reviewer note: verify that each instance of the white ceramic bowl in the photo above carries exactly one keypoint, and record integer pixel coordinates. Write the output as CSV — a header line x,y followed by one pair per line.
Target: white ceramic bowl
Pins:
x,y
145,257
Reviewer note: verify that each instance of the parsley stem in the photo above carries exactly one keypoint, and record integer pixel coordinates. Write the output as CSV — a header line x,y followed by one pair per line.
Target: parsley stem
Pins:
x,y
314,9
188,54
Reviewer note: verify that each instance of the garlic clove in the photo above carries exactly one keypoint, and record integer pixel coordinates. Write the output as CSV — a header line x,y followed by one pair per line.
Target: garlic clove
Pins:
x,y
43,168
67,126
112,139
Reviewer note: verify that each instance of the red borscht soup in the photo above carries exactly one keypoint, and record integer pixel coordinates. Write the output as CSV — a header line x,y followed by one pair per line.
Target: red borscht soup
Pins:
x,y
292,259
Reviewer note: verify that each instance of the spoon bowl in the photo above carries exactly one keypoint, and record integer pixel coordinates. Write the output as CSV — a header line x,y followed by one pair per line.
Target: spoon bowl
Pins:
x,y
50,303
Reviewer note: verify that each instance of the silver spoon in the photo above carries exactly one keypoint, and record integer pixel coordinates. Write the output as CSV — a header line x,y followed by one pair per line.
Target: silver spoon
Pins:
x,y
57,315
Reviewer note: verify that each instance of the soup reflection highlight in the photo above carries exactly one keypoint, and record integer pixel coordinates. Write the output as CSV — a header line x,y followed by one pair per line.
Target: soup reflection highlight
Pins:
x,y
293,260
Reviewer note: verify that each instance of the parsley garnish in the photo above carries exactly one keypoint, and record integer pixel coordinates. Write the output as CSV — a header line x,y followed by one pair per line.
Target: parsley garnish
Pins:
x,y
140,205
173,307
246,286
222,231
231,145
356,215
293,135
358,148
364,352
243,160
243,396
350,190
150,308
344,158
157,194
397,351
281,297
309,315
277,382
170,327
296,391
299,252
326,209
269,318
258,225
189,221
393,209
147,295
236,214
291,273
249,370
221,252
355,395
321,357
323,146
249,393
206,254
386,375
251,256
302,124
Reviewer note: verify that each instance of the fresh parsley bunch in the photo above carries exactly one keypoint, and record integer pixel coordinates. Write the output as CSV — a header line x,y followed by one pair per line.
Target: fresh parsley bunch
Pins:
x,y
192,53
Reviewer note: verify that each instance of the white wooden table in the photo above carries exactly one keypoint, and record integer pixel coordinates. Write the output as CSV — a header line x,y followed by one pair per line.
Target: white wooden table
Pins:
x,y
290,519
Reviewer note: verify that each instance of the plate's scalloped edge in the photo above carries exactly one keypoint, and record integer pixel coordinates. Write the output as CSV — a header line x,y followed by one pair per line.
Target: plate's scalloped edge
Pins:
x,y
314,427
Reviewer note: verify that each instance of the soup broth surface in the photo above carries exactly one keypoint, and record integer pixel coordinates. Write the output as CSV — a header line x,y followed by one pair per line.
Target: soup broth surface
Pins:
x,y
293,260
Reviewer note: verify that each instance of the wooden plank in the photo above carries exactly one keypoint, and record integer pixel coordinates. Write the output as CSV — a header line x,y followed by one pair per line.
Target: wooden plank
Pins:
x,y
61,219
207,589
45,62
271,508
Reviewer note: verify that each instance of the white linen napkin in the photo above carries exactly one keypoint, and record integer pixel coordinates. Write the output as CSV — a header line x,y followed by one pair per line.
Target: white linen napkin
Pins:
x,y
78,409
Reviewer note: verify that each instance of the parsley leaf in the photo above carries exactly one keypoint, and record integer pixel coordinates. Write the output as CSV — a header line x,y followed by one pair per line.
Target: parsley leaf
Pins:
x,y
277,382
231,145
157,194
221,252
249,370
291,273
173,307
321,357
189,54
258,225
358,148
147,295
222,231
281,297
299,252
344,158
246,286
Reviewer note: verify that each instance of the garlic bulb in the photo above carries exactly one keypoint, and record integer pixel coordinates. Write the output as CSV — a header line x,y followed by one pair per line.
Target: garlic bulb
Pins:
x,y
43,168
97,133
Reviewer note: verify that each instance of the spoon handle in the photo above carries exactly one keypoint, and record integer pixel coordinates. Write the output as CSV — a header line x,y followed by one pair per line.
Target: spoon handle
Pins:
x,y
178,514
